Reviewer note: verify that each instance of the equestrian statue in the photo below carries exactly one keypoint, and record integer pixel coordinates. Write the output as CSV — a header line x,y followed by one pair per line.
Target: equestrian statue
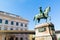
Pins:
x,y
42,14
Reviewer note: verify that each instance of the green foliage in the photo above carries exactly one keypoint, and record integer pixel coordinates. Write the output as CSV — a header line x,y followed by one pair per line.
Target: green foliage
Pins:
x,y
59,39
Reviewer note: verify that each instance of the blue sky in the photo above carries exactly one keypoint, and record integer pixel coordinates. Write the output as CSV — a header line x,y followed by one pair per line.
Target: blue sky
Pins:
x,y
28,8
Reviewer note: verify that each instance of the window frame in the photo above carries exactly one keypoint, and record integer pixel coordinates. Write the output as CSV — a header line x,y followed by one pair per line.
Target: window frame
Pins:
x,y
0,20
25,25
16,38
22,24
12,22
17,23
11,28
6,21
21,38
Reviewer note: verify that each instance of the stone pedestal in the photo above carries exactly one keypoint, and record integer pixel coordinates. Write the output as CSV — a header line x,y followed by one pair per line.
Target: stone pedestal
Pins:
x,y
44,31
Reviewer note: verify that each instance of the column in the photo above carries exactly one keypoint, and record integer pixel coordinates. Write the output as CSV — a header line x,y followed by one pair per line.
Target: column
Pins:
x,y
14,38
6,38
3,36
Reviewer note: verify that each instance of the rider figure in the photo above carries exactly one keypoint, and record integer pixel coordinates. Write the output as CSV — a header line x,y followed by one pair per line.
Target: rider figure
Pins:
x,y
41,11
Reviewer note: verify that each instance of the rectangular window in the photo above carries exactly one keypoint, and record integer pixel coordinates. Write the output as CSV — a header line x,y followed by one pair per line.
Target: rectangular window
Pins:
x,y
17,23
6,21
0,20
12,23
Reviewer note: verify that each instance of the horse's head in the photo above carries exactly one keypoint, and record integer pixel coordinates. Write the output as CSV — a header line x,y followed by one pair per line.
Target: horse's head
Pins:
x,y
46,11
48,8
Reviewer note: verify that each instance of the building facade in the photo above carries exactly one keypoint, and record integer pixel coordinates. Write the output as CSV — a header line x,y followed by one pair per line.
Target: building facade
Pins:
x,y
12,22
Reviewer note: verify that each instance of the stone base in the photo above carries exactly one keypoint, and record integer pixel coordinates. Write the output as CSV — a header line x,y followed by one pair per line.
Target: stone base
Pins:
x,y
43,31
43,38
44,24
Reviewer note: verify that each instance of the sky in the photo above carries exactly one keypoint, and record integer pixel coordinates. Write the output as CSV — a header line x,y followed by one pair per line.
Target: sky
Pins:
x,y
29,8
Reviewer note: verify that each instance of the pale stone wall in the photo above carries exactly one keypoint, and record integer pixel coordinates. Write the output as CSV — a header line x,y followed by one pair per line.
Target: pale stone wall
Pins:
x,y
45,34
24,36
0,37
43,38
42,33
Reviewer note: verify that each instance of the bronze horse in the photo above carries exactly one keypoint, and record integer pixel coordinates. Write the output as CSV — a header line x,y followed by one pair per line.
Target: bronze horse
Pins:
x,y
42,14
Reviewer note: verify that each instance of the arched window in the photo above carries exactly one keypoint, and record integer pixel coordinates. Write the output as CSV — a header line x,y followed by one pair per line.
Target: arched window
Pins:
x,y
0,20
21,24
21,38
11,28
6,21
17,23
25,25
11,38
12,23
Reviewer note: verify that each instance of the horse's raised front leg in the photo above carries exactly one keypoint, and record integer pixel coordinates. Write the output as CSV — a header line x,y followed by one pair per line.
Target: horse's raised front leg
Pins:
x,y
38,20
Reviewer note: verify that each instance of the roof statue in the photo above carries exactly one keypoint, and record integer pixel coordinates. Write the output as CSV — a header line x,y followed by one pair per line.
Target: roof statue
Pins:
x,y
42,14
